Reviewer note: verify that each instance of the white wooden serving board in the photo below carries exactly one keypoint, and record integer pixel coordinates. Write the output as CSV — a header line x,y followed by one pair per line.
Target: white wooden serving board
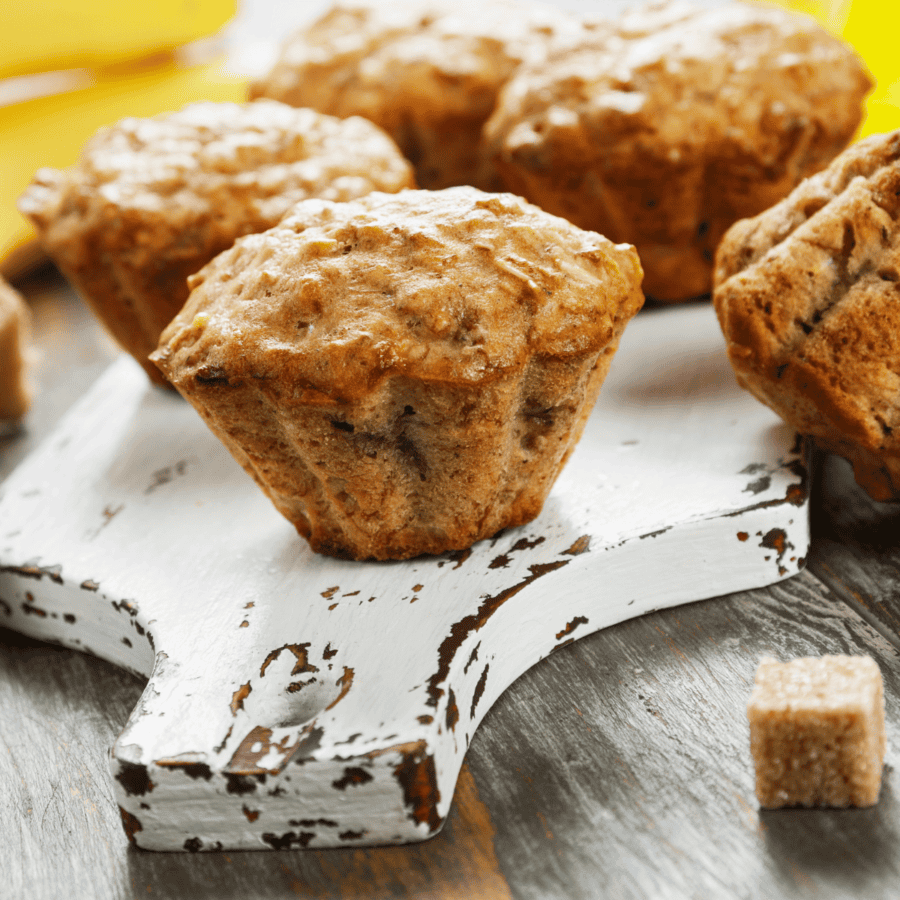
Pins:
x,y
300,701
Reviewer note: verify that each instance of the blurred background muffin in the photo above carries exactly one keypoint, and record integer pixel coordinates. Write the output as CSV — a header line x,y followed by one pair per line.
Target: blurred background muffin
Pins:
x,y
152,200
673,124
15,328
426,71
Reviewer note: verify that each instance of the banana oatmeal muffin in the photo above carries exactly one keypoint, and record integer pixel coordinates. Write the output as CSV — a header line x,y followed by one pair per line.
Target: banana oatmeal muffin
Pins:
x,y
404,374
808,297
426,71
15,330
153,200
676,122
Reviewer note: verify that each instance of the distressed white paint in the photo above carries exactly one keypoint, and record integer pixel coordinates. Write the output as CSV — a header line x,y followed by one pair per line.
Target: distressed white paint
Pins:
x,y
133,535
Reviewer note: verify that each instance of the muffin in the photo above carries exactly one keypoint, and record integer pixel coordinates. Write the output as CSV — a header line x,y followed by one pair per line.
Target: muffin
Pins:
x,y
404,374
676,123
153,200
808,296
427,72
15,329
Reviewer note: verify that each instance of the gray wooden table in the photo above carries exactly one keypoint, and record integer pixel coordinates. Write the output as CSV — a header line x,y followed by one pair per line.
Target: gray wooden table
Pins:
x,y
618,767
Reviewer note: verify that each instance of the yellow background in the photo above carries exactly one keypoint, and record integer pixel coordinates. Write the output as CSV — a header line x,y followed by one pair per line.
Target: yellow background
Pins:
x,y
134,73
106,34
871,26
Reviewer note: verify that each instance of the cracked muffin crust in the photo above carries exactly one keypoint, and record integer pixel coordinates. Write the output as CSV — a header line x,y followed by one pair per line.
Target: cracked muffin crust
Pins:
x,y
404,374
426,71
15,330
808,297
153,200
675,122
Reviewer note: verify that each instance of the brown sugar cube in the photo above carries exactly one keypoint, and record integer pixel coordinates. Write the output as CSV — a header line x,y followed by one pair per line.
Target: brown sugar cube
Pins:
x,y
817,731
15,320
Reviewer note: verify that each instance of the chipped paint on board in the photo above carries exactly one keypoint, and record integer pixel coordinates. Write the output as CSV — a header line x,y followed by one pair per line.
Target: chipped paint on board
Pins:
x,y
470,624
131,824
134,778
33,569
582,545
452,714
345,682
571,626
353,775
417,776
238,698
776,539
301,657
289,840
193,770
479,690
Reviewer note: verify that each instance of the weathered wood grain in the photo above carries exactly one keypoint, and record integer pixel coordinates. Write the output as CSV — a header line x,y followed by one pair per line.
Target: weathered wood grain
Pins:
x,y
857,551
60,830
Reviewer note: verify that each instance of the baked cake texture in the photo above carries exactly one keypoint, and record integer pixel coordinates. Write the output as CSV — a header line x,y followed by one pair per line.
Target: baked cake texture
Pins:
x,y
808,297
817,731
404,374
153,200
15,331
426,71
674,123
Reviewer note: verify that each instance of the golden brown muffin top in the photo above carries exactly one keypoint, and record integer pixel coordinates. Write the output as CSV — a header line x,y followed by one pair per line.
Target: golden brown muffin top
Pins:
x,y
864,176
675,78
211,166
451,286
419,59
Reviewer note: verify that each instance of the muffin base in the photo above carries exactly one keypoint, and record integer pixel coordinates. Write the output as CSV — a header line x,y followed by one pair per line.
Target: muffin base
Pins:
x,y
412,468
